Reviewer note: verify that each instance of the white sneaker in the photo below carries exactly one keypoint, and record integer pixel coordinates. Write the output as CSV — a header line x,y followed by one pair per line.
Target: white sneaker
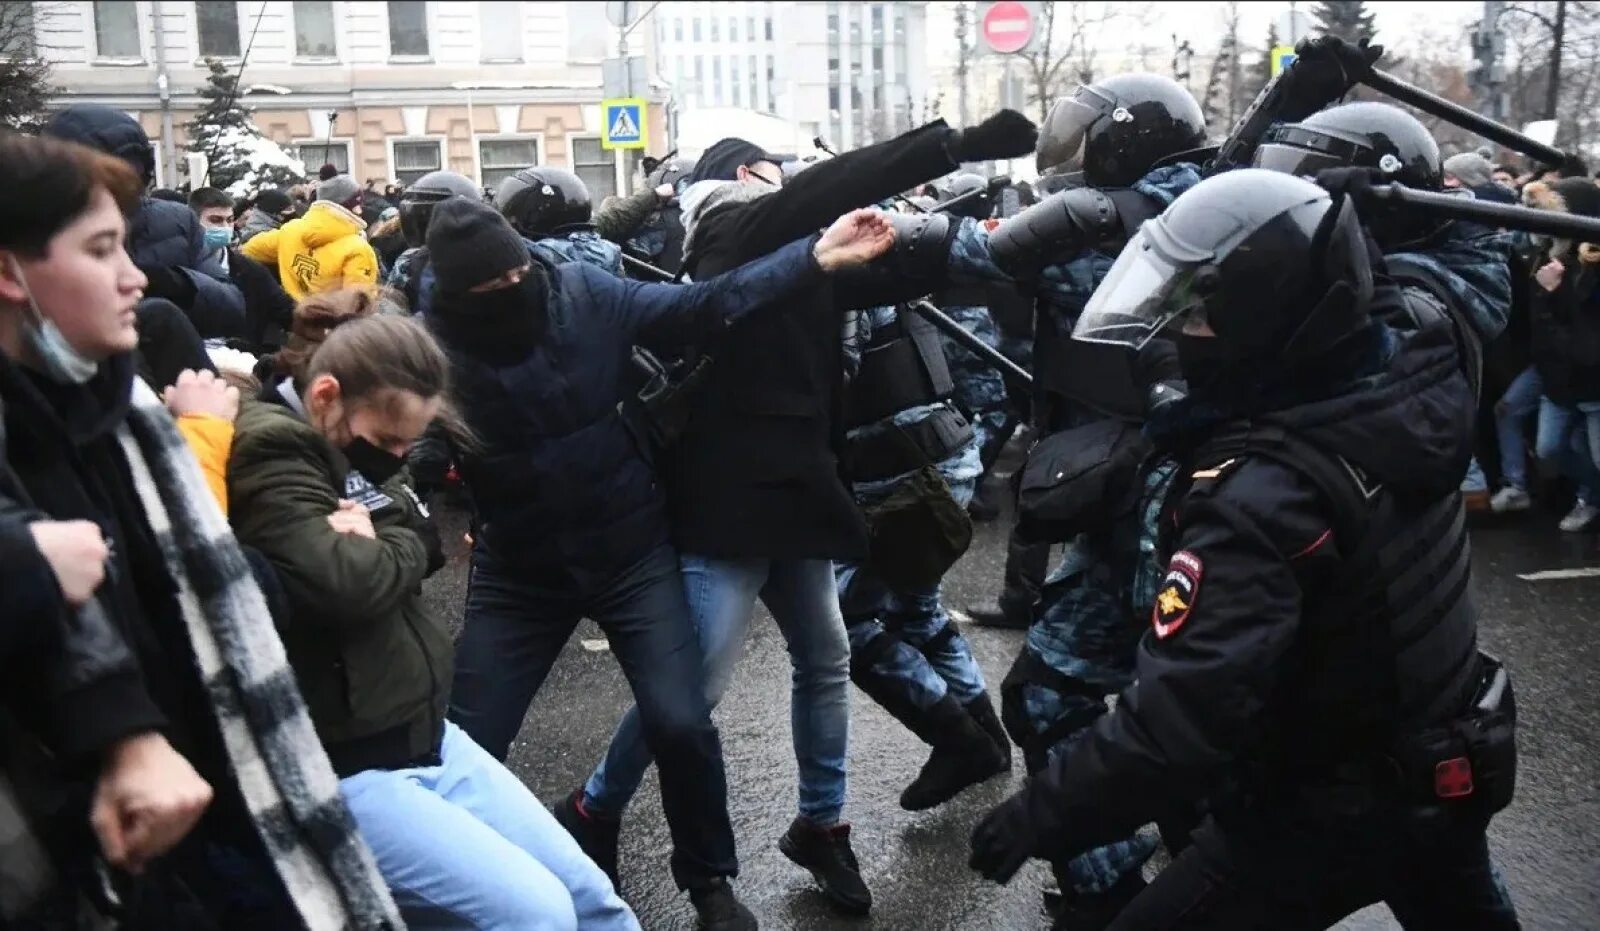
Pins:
x,y
1510,499
1580,517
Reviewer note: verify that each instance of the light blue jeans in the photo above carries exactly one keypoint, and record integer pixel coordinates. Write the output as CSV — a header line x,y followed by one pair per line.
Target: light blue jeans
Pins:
x,y
1520,402
722,595
465,845
1569,435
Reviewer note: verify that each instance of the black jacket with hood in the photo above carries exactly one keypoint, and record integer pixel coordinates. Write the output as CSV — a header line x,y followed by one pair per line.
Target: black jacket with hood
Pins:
x,y
164,238
1232,678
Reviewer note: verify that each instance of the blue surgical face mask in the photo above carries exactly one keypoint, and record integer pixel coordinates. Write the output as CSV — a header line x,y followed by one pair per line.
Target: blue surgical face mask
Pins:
x,y
218,237
57,359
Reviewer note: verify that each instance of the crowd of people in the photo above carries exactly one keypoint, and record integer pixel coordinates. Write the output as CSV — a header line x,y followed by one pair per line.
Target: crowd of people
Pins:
x,y
226,423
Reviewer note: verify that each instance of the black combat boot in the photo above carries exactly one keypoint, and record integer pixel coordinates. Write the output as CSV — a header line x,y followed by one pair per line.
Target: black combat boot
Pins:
x,y
825,852
982,711
719,909
597,835
1095,911
963,755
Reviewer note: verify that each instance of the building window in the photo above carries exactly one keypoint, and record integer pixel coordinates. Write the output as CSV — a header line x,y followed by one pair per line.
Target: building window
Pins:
x,y
414,159
833,97
313,29
500,31
408,28
17,40
499,159
595,166
877,22
677,30
899,25
750,28
833,66
697,29
833,28
218,25
716,81
116,29
716,29
699,79
733,30
317,154
738,90
769,29
877,59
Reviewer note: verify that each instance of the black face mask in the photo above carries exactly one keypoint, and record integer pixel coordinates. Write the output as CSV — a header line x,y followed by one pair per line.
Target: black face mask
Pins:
x,y
377,465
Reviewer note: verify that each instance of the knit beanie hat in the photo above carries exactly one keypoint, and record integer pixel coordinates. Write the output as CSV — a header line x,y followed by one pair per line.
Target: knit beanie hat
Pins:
x,y
273,201
1471,168
341,189
469,243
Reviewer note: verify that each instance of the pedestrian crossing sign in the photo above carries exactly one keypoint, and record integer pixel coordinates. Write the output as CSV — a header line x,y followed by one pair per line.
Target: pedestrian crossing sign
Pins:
x,y
624,123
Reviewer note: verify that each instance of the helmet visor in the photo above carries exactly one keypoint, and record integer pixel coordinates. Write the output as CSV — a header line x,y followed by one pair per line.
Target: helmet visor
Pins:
x,y
1061,141
1302,163
1146,289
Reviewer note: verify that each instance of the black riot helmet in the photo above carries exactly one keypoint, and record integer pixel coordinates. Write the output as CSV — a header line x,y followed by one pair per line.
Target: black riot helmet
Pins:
x,y
1115,130
1366,134
416,204
1276,267
543,201
979,206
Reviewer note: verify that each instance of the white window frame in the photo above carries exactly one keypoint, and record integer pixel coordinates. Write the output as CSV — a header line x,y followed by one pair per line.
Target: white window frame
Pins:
x,y
199,54
477,151
92,39
616,165
522,38
294,43
394,168
428,29
348,142
158,176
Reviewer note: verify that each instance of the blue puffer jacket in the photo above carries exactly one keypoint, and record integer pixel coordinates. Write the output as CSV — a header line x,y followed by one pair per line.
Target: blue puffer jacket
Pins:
x,y
161,234
556,480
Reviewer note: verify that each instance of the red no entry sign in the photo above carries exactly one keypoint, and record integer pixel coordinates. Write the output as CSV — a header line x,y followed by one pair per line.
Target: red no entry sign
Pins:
x,y
1007,26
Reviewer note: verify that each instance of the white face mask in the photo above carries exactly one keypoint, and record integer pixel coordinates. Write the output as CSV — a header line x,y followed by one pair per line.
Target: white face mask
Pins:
x,y
59,361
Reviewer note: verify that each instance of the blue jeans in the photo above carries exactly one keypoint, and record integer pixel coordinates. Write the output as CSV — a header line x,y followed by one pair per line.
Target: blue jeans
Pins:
x,y
515,629
465,845
1569,435
1520,402
722,598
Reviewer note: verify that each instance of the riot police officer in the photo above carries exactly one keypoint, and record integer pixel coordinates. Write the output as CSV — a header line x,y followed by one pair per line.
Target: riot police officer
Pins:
x,y
416,207
551,208
1310,674
1111,139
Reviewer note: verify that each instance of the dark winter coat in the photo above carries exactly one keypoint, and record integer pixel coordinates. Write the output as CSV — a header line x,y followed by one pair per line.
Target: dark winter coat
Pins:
x,y
756,472
372,661
1566,334
557,481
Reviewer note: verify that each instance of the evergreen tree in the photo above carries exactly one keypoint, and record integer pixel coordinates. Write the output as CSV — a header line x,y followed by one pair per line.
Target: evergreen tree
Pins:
x,y
1347,19
24,75
239,158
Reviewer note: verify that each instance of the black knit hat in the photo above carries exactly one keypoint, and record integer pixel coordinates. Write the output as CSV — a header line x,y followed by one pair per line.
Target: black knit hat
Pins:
x,y
469,243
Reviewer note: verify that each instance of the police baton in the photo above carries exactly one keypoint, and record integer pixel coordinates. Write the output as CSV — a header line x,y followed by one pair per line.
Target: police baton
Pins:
x,y
1508,216
949,327
646,268
1457,115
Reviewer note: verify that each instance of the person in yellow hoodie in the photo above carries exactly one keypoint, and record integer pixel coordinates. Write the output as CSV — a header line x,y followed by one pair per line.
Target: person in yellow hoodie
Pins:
x,y
323,250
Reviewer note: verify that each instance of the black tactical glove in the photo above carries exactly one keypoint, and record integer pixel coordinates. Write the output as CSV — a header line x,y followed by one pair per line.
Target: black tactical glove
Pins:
x,y
1007,134
1005,839
1156,369
1325,68
165,281
1355,183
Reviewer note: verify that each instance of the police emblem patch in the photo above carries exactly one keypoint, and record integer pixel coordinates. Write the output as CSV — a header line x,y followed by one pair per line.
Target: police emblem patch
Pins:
x,y
1179,589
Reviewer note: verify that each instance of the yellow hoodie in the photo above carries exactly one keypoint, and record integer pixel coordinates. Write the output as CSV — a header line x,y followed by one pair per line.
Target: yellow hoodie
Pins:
x,y
322,251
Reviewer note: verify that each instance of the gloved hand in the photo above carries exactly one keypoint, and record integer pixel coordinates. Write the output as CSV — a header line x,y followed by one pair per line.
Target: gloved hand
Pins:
x,y
169,283
1156,369
1007,134
1355,183
1325,68
1005,839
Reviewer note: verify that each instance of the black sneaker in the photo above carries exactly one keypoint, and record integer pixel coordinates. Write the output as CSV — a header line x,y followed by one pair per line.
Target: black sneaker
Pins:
x,y
719,909
595,834
1081,911
1000,615
826,853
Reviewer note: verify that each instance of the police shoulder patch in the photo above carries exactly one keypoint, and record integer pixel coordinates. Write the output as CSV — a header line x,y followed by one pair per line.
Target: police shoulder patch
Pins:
x,y
1176,597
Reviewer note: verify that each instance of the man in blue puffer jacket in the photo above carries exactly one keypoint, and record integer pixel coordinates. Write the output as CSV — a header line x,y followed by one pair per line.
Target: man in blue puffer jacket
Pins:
x,y
164,239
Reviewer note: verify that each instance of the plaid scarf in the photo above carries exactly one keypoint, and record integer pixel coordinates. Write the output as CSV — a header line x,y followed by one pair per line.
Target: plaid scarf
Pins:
x,y
276,756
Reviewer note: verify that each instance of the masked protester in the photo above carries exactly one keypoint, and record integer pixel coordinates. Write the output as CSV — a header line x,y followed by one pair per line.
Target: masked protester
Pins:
x,y
1291,542
120,512
571,522
317,484
267,307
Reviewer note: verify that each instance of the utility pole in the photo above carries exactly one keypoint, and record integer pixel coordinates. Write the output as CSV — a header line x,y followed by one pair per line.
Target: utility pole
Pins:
x,y
1488,45
963,60
1553,92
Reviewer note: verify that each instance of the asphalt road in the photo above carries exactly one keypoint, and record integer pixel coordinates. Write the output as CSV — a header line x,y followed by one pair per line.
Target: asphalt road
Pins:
x,y
1547,843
